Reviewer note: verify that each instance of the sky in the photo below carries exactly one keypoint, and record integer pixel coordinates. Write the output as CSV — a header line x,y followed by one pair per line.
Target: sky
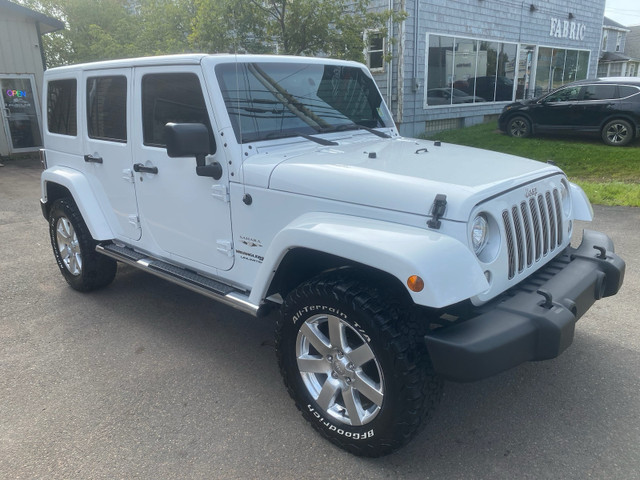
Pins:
x,y
625,12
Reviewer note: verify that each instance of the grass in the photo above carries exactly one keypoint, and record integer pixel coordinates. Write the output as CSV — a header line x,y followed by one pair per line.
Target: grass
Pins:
x,y
608,175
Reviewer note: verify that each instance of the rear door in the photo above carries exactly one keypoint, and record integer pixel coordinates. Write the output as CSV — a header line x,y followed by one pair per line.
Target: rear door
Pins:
x,y
107,147
185,217
597,104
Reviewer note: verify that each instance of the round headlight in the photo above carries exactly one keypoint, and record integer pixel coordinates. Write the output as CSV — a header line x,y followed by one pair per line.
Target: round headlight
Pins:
x,y
479,233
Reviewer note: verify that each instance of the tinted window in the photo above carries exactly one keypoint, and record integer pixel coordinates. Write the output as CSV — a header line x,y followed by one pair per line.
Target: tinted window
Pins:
x,y
564,95
170,97
625,91
61,107
599,92
107,108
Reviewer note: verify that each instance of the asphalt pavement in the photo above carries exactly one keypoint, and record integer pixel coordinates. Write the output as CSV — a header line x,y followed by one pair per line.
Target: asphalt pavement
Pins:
x,y
147,380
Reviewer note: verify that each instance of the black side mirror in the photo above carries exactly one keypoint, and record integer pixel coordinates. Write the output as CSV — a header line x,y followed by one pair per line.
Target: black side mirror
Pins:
x,y
186,139
191,140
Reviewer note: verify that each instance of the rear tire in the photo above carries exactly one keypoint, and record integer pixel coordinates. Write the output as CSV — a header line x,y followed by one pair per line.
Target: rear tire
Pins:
x,y
519,126
74,249
354,363
617,133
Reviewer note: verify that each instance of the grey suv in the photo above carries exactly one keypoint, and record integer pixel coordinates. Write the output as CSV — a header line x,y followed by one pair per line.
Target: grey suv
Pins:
x,y
609,107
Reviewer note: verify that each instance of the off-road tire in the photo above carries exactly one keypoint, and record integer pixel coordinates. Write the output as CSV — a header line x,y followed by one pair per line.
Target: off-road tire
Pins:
x,y
519,126
74,249
617,133
369,316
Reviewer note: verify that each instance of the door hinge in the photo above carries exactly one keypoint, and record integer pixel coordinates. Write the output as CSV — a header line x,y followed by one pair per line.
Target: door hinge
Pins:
x,y
220,192
135,221
225,247
127,174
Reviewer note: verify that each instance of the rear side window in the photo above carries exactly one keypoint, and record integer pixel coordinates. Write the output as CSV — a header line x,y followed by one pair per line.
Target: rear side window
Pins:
x,y
61,107
107,108
599,92
626,91
170,97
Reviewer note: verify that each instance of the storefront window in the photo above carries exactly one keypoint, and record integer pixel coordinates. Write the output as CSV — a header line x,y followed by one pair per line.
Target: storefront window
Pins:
x,y
525,66
583,65
463,70
557,66
542,71
570,66
440,49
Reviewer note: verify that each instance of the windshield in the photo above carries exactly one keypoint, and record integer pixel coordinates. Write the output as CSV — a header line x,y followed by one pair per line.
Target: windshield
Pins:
x,y
272,100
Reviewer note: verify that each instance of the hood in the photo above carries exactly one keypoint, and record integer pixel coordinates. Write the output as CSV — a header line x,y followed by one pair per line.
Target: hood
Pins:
x,y
397,174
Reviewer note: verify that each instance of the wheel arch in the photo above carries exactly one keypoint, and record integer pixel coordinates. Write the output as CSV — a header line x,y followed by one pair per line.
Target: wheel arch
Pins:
x,y
301,264
317,242
60,182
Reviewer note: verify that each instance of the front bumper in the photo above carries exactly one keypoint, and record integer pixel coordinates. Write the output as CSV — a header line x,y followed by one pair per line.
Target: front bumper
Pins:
x,y
535,320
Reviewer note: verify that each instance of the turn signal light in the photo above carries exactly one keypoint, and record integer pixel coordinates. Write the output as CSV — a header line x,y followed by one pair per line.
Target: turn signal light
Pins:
x,y
415,283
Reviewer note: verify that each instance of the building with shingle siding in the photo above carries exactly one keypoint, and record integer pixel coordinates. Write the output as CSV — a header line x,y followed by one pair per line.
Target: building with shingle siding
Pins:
x,y
458,62
22,65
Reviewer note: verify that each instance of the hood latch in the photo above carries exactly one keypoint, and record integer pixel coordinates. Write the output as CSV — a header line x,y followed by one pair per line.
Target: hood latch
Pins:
x,y
437,211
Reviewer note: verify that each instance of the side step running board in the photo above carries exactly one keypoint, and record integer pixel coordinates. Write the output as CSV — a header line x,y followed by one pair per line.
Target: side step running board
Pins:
x,y
193,281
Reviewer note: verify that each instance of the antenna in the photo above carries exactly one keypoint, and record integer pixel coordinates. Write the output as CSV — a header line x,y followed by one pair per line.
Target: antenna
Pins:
x,y
235,53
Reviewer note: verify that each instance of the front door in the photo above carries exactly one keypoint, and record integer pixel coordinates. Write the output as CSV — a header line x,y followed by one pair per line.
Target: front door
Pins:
x,y
20,109
185,216
559,110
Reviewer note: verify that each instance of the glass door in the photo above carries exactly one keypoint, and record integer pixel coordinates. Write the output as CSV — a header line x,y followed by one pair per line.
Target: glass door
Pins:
x,y
19,106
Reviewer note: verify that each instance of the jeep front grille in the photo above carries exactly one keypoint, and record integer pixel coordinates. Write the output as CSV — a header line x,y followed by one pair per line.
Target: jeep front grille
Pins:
x,y
533,229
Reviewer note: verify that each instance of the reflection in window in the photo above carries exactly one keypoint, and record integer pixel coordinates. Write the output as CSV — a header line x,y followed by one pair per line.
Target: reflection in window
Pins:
x,y
557,66
472,70
583,65
599,92
274,100
568,94
170,97
61,107
107,108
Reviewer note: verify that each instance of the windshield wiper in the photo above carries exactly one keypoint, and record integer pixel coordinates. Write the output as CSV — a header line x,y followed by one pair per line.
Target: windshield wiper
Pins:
x,y
355,126
321,141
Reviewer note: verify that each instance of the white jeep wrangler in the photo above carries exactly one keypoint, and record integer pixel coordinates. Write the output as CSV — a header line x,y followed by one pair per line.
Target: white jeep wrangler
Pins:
x,y
282,182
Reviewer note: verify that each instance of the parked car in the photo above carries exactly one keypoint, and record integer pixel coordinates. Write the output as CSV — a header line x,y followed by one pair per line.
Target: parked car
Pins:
x,y
491,88
609,107
283,183
448,96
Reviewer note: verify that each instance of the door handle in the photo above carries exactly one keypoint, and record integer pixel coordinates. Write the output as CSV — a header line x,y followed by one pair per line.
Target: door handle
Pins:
x,y
139,167
92,159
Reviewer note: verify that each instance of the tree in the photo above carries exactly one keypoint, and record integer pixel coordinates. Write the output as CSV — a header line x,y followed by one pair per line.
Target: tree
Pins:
x,y
107,29
293,27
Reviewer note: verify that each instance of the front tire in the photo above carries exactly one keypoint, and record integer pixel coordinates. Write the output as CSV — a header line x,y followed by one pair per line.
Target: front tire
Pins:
x,y
74,249
355,365
617,133
519,126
